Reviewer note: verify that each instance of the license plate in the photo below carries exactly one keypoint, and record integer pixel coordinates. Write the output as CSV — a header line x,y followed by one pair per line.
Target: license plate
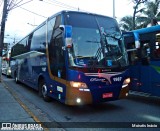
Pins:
x,y
107,95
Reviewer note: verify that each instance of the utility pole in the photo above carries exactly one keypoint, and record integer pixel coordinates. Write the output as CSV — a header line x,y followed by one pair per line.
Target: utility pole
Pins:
x,y
3,22
114,16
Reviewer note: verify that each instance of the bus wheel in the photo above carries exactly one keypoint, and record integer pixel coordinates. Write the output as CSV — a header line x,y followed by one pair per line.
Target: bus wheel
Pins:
x,y
43,91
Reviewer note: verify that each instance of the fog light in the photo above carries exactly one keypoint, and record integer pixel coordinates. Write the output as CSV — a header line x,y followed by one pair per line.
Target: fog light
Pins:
x,y
126,94
78,100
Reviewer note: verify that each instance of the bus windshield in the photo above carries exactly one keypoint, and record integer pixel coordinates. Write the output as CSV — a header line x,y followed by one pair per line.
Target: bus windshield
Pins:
x,y
96,41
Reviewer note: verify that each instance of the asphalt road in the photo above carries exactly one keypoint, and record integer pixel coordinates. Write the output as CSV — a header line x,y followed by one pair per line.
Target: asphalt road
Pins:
x,y
133,109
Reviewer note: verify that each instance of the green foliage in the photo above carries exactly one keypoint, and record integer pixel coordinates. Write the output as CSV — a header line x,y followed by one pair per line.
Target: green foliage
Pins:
x,y
126,23
148,15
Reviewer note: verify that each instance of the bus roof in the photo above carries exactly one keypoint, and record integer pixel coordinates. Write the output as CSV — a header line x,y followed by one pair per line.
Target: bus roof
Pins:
x,y
148,30
61,12
144,30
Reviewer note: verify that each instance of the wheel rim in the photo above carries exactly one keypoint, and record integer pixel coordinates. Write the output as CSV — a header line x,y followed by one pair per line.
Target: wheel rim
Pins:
x,y
44,90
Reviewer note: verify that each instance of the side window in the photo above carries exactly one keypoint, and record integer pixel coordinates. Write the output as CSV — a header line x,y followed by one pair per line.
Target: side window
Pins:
x,y
30,40
56,54
145,49
157,50
20,48
145,52
132,53
157,47
38,42
24,42
51,24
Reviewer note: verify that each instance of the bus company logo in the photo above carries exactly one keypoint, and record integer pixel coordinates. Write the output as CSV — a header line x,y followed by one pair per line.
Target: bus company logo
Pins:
x,y
116,79
96,79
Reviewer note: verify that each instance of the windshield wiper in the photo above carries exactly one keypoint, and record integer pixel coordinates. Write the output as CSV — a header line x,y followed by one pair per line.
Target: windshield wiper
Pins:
x,y
90,41
104,44
113,36
110,50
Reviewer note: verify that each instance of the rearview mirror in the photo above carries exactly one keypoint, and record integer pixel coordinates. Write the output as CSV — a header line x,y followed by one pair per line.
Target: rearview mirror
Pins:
x,y
62,27
68,36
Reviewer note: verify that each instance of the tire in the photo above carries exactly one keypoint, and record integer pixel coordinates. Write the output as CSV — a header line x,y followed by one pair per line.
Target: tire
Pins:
x,y
43,91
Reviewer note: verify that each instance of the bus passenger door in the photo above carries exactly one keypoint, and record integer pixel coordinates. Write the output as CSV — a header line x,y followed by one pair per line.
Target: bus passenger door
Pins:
x,y
145,76
139,68
56,52
146,72
57,66
135,66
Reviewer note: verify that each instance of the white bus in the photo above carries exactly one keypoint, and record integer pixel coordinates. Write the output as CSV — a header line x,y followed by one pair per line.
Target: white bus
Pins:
x,y
6,70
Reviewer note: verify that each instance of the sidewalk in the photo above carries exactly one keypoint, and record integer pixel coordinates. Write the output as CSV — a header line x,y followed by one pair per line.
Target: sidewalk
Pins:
x,y
10,109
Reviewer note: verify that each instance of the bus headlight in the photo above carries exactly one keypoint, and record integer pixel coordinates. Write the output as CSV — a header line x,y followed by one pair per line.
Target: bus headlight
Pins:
x,y
126,82
78,84
9,71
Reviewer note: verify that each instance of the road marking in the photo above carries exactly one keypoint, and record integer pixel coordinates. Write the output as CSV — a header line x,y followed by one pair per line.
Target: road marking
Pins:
x,y
24,106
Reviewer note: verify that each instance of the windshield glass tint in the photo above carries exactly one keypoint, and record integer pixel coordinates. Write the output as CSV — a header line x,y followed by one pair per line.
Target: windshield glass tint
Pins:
x,y
96,41
86,45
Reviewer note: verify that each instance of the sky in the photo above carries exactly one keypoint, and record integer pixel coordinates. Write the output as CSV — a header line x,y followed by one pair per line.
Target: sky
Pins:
x,y
20,22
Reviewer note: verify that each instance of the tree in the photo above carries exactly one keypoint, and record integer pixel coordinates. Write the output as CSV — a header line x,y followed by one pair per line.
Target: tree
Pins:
x,y
130,22
137,3
126,23
151,14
